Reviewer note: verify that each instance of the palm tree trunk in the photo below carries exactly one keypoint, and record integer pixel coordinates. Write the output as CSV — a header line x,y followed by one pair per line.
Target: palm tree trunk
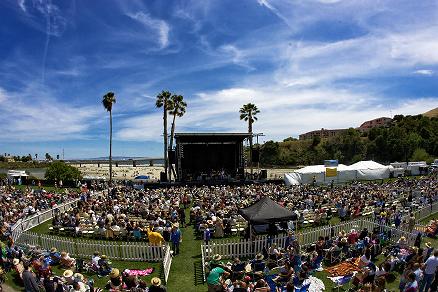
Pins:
x,y
165,135
250,144
172,133
111,149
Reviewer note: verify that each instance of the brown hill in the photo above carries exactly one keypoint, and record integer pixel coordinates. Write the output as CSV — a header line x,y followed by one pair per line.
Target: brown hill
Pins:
x,y
432,113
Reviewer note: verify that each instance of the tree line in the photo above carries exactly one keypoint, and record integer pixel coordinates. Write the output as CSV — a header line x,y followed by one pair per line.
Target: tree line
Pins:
x,y
407,138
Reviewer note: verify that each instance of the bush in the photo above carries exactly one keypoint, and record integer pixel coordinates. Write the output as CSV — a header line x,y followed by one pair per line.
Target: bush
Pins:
x,y
58,170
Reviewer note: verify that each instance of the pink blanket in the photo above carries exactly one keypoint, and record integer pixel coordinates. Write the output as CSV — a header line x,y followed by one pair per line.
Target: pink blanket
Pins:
x,y
139,272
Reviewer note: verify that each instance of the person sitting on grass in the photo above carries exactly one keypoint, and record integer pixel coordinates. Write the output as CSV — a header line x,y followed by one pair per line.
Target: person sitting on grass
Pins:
x,y
66,261
286,272
104,266
18,267
115,282
156,286
55,256
215,279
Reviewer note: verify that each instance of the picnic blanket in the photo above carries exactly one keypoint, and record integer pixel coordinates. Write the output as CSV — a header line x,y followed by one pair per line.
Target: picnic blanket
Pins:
x,y
311,284
343,269
145,272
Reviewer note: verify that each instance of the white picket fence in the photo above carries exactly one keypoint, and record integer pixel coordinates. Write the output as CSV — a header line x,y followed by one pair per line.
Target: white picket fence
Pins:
x,y
230,248
167,262
126,251
426,211
28,223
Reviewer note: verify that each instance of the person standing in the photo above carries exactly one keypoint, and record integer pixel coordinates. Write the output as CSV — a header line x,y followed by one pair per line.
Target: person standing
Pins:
x,y
176,238
29,279
429,272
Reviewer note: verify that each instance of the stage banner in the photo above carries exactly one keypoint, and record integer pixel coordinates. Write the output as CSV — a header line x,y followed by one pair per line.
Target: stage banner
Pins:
x,y
330,163
330,172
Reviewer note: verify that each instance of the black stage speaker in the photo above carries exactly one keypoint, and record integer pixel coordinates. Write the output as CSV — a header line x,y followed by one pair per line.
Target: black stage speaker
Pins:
x,y
172,156
163,177
263,174
255,157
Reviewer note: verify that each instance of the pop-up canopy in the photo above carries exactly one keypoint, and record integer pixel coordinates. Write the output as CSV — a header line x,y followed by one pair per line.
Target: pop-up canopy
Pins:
x,y
266,211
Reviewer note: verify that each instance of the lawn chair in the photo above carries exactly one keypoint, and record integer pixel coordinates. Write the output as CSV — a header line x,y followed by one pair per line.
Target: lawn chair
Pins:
x,y
335,257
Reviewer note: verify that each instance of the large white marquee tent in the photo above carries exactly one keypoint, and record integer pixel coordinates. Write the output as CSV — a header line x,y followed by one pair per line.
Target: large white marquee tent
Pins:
x,y
362,170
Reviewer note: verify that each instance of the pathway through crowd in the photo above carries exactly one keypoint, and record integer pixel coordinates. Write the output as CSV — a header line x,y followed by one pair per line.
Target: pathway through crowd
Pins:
x,y
186,267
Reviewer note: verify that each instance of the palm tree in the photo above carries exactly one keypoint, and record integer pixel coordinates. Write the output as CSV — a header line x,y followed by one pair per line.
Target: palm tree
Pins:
x,y
108,100
163,100
248,113
177,108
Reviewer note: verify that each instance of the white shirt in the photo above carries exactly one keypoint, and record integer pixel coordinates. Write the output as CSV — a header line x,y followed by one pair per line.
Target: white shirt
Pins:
x,y
431,265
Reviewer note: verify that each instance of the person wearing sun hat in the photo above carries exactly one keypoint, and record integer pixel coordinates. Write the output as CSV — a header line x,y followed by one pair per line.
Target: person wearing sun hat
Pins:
x,y
68,276
55,256
156,285
18,267
115,283
215,279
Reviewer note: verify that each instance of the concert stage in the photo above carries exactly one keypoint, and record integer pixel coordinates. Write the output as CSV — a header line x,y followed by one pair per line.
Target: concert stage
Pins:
x,y
203,157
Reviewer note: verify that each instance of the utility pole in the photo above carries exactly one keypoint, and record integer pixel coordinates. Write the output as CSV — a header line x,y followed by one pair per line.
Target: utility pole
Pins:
x,y
257,135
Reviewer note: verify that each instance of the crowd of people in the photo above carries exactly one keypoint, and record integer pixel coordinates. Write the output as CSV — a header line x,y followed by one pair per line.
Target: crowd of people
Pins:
x,y
349,257
33,269
157,214
16,204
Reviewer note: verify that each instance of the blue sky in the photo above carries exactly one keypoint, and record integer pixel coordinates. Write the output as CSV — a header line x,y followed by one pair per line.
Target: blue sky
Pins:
x,y
307,64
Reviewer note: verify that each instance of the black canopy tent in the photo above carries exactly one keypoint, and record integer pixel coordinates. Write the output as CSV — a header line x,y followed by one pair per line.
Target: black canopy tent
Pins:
x,y
266,211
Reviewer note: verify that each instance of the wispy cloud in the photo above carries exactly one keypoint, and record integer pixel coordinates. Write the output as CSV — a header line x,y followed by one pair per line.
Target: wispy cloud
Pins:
x,y
160,27
424,72
22,5
43,119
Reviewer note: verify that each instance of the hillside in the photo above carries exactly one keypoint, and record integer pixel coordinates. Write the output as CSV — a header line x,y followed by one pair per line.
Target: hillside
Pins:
x,y
432,113
410,138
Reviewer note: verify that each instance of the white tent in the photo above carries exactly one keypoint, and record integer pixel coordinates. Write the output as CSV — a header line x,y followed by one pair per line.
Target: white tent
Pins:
x,y
370,170
305,175
363,170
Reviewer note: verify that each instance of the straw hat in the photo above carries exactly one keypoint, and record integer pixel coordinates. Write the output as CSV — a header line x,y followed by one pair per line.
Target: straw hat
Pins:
x,y
104,257
176,225
402,238
156,281
114,273
79,276
67,274
259,257
53,249
217,257
428,244
15,262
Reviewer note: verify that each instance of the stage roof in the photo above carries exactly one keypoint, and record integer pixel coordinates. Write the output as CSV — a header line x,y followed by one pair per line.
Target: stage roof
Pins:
x,y
213,137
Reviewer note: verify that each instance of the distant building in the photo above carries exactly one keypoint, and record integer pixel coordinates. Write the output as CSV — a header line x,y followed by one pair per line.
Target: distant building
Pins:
x,y
323,133
379,122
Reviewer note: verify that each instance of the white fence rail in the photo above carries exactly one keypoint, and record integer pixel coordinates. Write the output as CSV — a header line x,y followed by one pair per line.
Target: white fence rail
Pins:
x,y
28,223
167,262
127,251
247,248
426,211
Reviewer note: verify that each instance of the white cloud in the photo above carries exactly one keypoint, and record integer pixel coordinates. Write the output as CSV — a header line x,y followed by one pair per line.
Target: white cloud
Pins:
x,y
33,115
424,72
160,27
